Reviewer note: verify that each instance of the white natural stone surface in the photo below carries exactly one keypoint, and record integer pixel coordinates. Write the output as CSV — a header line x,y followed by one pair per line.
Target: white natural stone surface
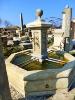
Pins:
x,y
39,35
58,39
69,57
61,96
38,23
66,25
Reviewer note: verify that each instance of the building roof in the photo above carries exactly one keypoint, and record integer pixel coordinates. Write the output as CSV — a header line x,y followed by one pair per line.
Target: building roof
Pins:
x,y
73,20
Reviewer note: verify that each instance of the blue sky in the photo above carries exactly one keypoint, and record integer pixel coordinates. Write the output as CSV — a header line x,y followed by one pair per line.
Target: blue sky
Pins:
x,y
10,9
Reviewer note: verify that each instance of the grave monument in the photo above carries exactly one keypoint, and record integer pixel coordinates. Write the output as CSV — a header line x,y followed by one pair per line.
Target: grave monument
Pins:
x,y
62,36
66,27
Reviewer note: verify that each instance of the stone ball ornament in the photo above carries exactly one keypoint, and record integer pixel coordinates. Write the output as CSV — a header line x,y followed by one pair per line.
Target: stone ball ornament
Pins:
x,y
39,13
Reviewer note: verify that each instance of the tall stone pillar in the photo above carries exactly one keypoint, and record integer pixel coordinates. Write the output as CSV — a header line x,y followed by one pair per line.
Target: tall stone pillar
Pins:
x,y
39,35
66,27
66,23
21,21
4,85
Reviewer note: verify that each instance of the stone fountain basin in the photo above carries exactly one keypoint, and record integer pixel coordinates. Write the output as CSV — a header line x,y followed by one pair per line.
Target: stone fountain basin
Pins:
x,y
40,82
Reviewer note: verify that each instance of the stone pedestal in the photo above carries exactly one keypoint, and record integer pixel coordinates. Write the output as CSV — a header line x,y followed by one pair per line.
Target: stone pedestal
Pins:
x,y
39,38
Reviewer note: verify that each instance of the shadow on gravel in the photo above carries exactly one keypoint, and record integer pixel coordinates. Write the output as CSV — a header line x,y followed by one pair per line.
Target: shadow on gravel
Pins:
x,y
45,97
73,86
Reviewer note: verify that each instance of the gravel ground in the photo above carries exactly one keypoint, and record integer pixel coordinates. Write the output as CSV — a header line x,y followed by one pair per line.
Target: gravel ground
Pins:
x,y
15,94
59,96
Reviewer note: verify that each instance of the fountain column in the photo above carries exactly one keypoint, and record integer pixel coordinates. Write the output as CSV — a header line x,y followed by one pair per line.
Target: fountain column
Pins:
x,y
39,36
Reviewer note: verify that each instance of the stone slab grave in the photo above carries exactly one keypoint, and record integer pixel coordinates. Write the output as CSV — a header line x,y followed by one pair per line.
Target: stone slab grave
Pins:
x,y
40,82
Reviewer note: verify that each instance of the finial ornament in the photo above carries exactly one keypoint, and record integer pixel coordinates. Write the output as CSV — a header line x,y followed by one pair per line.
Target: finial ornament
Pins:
x,y
39,13
67,6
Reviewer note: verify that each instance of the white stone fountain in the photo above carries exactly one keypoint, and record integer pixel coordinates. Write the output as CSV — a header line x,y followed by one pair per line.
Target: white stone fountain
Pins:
x,y
41,81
